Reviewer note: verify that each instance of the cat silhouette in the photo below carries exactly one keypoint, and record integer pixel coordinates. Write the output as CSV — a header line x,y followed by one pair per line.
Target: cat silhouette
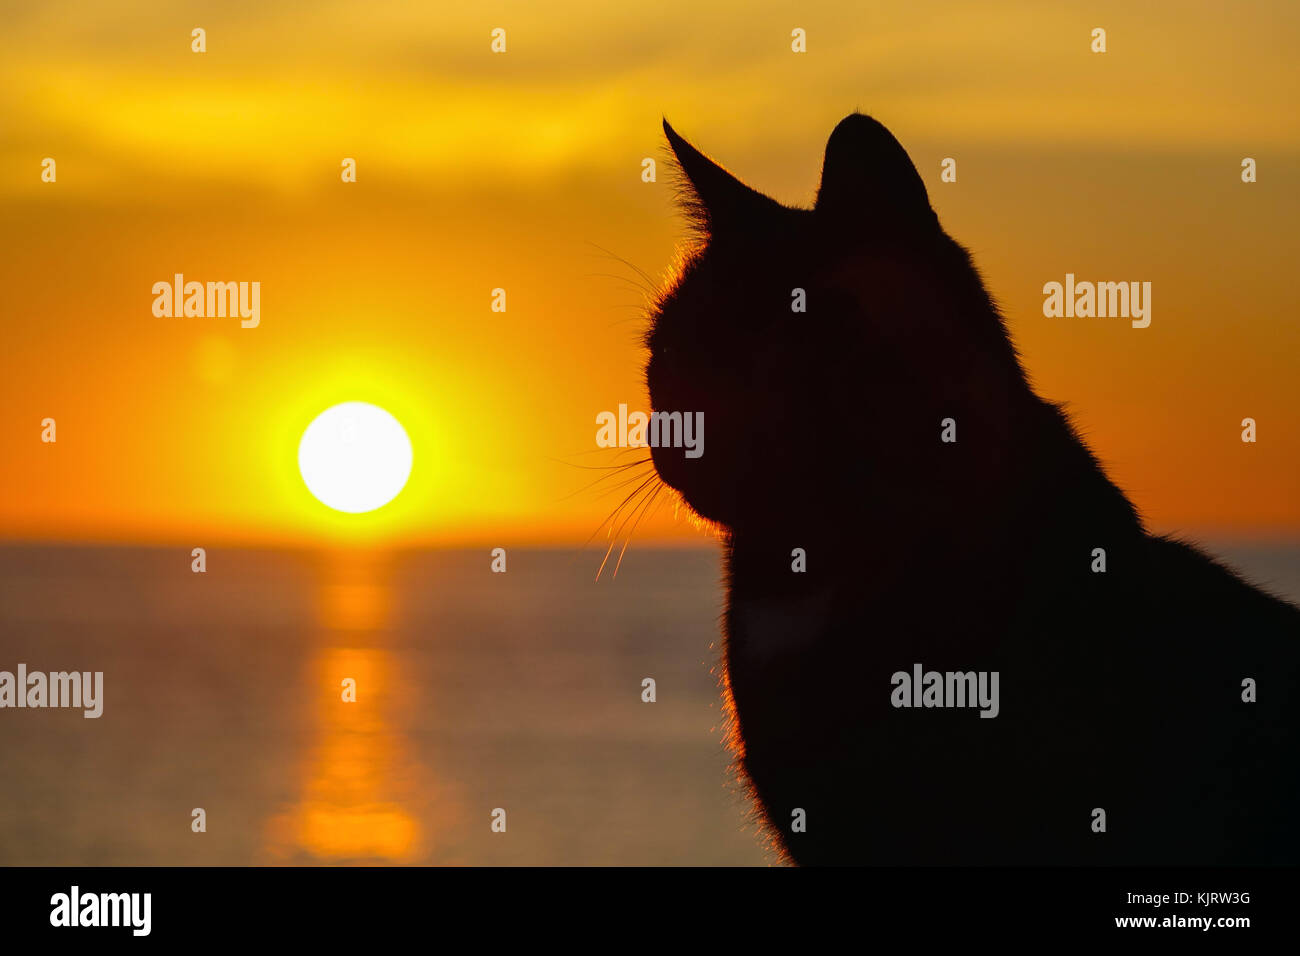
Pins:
x,y
1147,712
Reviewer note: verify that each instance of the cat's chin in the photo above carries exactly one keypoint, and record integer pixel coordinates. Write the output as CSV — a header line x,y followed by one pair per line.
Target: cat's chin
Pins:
x,y
720,517
688,477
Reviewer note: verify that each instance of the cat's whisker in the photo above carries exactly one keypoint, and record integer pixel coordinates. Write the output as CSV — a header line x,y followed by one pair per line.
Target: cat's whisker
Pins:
x,y
612,470
637,515
651,285
614,514
640,286
642,316
595,451
639,498
645,509
622,482
629,508
630,464
606,492
603,560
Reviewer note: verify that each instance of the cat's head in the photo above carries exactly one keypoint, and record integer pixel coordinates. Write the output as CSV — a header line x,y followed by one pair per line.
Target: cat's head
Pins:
x,y
823,346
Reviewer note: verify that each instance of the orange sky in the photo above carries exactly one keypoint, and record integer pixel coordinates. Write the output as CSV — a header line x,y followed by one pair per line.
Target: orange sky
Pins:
x,y
478,171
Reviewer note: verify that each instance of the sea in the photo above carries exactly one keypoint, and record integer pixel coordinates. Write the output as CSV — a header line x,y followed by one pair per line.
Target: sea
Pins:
x,y
305,707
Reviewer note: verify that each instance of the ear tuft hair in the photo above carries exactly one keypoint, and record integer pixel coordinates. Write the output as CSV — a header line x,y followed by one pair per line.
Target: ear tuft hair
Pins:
x,y
715,201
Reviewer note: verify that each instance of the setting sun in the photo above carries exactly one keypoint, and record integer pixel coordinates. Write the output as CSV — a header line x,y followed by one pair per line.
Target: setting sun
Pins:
x,y
355,457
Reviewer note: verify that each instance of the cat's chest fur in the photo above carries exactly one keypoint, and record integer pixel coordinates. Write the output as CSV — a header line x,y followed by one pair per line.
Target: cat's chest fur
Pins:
x,y
1088,672
764,630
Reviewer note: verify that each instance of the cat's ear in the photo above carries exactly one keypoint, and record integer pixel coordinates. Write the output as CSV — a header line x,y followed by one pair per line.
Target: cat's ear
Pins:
x,y
718,200
869,185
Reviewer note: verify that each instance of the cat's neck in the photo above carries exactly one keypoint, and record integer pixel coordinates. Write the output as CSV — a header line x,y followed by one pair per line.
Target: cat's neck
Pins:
x,y
1035,498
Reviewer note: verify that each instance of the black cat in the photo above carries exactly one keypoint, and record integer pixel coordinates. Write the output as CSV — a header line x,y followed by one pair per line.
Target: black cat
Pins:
x,y
1125,730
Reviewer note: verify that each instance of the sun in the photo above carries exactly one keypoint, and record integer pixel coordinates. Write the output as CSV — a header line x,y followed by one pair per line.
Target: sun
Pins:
x,y
355,457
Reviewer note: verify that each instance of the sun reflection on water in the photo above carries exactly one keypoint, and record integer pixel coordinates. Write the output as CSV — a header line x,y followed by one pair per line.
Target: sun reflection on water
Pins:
x,y
359,780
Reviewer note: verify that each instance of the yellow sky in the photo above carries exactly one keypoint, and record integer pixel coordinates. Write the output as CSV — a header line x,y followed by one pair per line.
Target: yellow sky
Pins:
x,y
478,171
